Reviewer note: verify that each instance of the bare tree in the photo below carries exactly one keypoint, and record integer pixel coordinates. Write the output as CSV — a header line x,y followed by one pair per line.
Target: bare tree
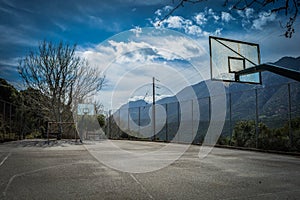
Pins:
x,y
60,76
289,7
88,81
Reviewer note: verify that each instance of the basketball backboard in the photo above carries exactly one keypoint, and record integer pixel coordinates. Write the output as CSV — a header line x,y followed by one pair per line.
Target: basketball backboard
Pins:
x,y
85,109
230,56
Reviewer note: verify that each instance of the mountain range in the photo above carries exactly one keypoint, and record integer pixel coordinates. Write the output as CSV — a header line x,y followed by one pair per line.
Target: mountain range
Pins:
x,y
272,98
269,80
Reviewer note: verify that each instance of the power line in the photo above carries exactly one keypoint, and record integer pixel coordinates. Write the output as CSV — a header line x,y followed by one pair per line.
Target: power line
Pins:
x,y
146,95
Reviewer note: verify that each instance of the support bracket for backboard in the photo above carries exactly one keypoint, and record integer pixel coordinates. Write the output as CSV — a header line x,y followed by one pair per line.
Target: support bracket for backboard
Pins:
x,y
289,73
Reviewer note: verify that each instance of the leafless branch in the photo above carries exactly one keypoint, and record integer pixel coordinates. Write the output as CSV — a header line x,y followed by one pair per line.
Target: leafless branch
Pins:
x,y
180,4
57,76
290,8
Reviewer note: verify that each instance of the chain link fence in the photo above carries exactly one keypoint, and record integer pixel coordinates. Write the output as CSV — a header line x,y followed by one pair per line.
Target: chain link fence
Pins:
x,y
263,118
18,122
11,121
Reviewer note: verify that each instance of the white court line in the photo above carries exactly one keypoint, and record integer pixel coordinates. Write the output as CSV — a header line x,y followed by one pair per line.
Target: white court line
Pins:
x,y
28,173
5,159
143,188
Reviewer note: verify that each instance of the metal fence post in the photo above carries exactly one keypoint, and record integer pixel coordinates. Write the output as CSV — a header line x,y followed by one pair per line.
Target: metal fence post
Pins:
x,y
128,120
167,138
209,108
2,125
108,115
290,116
178,116
111,120
192,106
139,119
256,119
230,119
4,120
21,125
119,126
48,133
10,125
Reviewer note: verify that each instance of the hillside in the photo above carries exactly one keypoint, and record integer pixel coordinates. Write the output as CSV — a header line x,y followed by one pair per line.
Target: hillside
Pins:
x,y
268,79
272,96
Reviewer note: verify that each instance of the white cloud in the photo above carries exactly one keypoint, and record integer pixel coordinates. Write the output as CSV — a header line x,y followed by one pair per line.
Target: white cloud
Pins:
x,y
246,16
168,8
156,23
149,98
132,52
60,25
10,35
100,23
175,22
241,13
180,23
137,31
158,12
175,47
249,12
161,12
206,34
10,62
226,17
95,21
200,18
263,19
195,25
253,20
121,48
218,31
193,30
213,14
128,64
203,17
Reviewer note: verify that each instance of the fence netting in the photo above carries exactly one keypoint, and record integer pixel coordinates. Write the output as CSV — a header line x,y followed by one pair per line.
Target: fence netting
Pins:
x,y
263,118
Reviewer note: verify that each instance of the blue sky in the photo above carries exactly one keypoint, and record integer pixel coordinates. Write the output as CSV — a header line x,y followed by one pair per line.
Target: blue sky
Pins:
x,y
24,24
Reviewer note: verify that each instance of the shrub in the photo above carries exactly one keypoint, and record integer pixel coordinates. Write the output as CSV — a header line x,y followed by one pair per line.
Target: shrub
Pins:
x,y
244,134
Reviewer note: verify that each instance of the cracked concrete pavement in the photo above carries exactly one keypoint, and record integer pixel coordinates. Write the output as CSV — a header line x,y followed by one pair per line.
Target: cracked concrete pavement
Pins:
x,y
66,170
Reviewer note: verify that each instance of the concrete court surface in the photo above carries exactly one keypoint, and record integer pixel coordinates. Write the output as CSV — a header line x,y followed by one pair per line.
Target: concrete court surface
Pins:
x,y
65,170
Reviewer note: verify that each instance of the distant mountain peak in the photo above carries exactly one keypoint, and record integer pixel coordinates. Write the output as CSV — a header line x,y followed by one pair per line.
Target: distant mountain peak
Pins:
x,y
202,91
289,62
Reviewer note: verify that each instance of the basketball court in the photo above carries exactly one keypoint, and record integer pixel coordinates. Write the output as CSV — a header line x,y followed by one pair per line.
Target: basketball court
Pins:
x,y
65,169
32,170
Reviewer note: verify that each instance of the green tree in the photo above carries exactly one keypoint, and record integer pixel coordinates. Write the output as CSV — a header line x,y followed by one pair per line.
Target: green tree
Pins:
x,y
101,120
273,139
296,134
35,113
10,110
244,134
8,93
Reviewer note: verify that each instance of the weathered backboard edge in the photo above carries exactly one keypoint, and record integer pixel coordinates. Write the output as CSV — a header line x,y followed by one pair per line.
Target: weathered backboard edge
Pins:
x,y
237,41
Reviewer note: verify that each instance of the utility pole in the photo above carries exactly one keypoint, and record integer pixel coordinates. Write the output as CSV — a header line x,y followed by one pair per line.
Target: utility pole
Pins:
x,y
153,107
